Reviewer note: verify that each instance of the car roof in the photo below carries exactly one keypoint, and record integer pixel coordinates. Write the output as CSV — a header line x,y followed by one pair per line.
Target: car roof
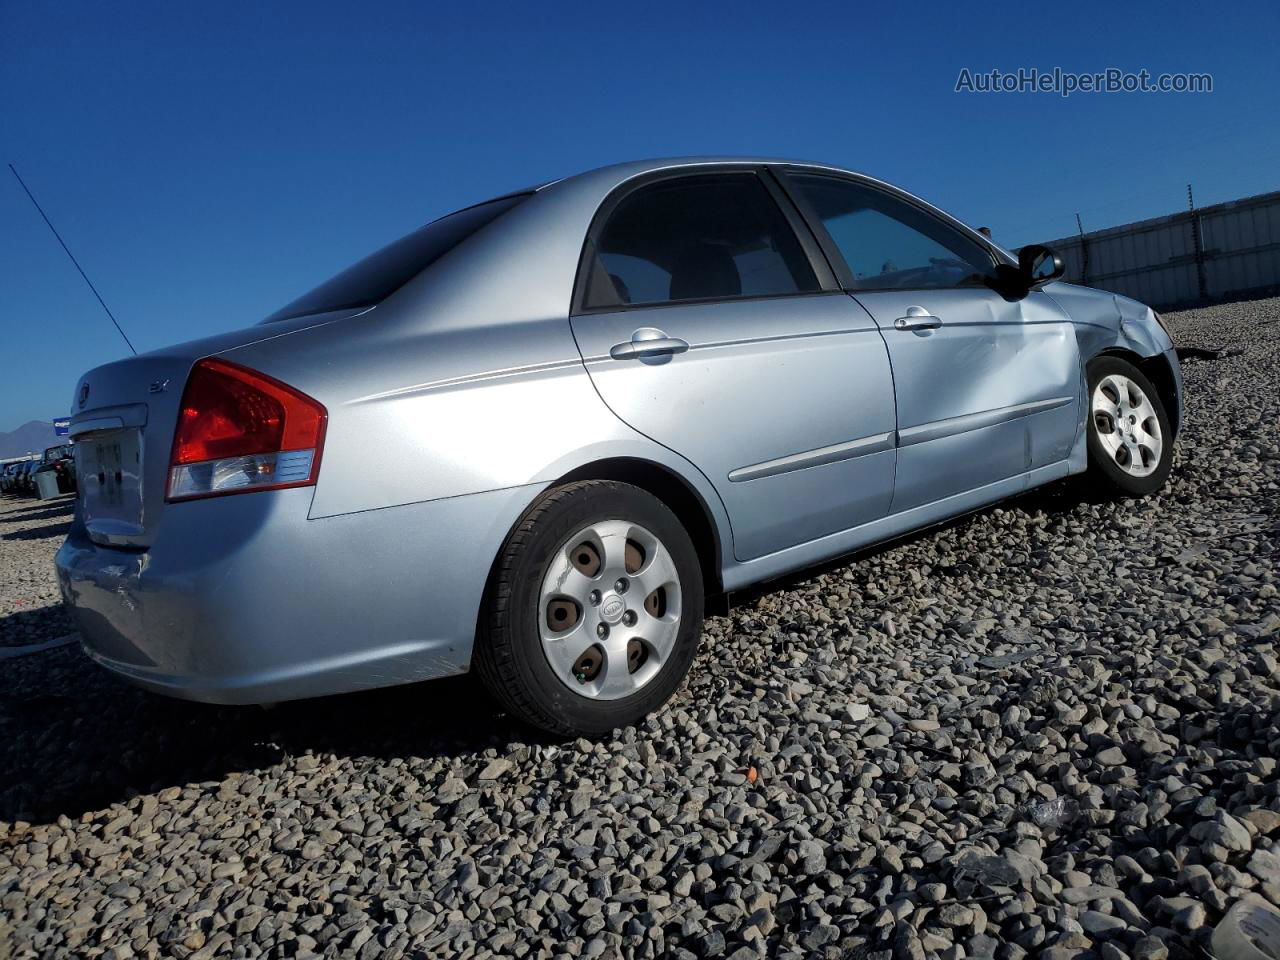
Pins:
x,y
536,248
618,173
595,185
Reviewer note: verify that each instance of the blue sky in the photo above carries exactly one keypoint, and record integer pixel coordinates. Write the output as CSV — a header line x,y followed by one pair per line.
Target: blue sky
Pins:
x,y
208,162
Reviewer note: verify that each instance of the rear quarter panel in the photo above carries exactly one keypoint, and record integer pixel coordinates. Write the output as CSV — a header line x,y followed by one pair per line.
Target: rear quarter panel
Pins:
x,y
468,379
426,414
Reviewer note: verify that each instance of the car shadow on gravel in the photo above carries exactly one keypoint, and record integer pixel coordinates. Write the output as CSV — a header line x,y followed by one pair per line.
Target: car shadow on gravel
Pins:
x,y
36,625
1057,498
62,504
36,510
75,739
38,533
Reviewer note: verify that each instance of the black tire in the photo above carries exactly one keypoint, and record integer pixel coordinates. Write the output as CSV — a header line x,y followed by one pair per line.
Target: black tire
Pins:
x,y
509,655
1105,476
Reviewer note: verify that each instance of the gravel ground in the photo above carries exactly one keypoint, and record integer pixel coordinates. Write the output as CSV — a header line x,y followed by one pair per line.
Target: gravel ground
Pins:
x,y
30,608
1049,729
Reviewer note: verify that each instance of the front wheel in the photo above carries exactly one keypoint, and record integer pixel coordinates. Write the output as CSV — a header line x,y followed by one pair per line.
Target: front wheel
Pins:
x,y
594,611
1130,439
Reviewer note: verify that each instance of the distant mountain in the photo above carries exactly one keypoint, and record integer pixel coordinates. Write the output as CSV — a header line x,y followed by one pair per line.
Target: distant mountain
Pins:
x,y
33,437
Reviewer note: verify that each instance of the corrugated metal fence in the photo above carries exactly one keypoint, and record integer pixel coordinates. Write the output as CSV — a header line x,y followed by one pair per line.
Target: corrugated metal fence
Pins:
x,y
1230,251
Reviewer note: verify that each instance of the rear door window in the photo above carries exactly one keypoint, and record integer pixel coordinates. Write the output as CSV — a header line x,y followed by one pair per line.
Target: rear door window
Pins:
x,y
702,237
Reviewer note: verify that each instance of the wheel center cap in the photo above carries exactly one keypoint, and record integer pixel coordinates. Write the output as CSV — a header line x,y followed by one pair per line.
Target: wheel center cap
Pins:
x,y
612,609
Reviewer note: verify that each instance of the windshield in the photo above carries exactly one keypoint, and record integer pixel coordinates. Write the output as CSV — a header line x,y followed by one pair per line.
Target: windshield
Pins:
x,y
381,274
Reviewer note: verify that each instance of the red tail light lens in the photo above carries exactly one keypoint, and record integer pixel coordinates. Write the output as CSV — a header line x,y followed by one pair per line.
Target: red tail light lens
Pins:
x,y
240,430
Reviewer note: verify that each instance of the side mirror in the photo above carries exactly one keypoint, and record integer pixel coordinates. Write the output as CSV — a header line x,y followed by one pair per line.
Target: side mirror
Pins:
x,y
1039,265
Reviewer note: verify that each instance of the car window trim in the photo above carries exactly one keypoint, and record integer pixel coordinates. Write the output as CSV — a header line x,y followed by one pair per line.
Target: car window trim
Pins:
x,y
839,266
705,301
800,229
817,259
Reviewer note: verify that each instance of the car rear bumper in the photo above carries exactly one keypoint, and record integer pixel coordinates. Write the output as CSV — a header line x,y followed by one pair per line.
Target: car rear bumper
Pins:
x,y
244,600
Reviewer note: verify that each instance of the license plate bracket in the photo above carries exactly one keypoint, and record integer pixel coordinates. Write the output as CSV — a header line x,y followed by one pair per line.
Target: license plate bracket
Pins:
x,y
109,474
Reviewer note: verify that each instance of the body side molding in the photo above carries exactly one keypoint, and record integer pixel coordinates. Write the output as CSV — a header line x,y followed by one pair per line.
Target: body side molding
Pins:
x,y
814,458
976,421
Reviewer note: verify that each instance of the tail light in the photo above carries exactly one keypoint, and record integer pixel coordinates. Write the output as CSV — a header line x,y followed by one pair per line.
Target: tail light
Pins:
x,y
240,431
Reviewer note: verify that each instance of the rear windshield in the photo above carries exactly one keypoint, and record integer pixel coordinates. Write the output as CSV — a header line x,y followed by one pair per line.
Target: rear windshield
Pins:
x,y
381,274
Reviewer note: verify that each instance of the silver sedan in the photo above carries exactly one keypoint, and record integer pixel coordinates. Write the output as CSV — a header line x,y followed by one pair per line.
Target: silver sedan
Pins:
x,y
538,435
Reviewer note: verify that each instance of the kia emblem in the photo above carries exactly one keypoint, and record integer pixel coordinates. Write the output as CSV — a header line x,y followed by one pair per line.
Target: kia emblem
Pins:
x,y
613,609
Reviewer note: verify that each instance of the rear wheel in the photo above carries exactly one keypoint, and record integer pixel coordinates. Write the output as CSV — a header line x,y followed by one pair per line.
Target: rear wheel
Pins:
x,y
1130,440
595,610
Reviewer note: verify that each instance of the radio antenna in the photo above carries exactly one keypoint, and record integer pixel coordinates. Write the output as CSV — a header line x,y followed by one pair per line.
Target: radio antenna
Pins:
x,y
68,252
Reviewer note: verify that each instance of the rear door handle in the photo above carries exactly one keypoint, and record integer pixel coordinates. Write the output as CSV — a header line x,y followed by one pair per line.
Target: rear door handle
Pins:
x,y
917,318
648,342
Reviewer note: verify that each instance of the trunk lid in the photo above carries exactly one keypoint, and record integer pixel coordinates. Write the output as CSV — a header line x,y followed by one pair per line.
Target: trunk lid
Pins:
x,y
123,417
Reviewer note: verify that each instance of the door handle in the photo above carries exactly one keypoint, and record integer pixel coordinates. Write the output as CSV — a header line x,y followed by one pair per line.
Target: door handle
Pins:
x,y
917,318
648,342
